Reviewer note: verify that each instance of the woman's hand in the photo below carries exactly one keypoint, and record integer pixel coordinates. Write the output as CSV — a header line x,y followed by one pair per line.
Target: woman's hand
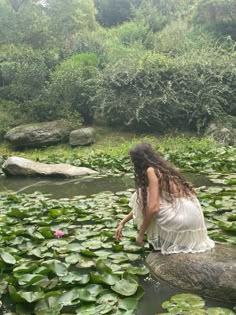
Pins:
x,y
119,231
139,240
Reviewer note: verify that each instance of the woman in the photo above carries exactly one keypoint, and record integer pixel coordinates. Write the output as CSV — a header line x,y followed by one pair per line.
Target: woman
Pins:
x,y
165,206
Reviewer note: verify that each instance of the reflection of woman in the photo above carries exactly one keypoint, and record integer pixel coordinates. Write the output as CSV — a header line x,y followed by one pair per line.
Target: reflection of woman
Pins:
x,y
165,206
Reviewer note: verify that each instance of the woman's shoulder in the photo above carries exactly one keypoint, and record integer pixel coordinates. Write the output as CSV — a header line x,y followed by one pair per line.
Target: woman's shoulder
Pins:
x,y
152,172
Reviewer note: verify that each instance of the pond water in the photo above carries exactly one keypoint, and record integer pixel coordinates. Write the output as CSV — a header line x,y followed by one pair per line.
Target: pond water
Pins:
x,y
68,188
156,291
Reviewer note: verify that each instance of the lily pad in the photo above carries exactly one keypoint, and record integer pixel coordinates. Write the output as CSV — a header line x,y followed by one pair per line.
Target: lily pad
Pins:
x,y
106,278
219,311
108,297
59,268
30,297
7,257
49,306
94,309
69,298
75,277
125,287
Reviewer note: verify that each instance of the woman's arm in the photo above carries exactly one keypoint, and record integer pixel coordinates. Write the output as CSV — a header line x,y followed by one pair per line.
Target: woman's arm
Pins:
x,y
153,204
127,218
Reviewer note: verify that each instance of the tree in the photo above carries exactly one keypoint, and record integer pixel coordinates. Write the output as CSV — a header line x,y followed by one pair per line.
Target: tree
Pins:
x,y
114,12
68,17
23,21
217,15
158,13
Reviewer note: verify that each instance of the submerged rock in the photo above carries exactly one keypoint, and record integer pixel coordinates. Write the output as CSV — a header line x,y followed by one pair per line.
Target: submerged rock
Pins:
x,y
83,136
17,166
39,134
211,274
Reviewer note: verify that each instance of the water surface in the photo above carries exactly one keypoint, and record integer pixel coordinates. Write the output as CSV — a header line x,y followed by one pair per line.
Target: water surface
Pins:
x,y
68,188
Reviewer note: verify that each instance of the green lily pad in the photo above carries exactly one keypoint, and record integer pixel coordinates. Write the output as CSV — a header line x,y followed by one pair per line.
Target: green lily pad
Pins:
x,y
59,268
138,270
183,302
101,266
75,277
7,257
50,306
85,262
108,297
128,304
31,296
219,311
75,247
15,296
87,252
46,232
69,298
30,279
106,278
73,258
94,309
125,287
92,244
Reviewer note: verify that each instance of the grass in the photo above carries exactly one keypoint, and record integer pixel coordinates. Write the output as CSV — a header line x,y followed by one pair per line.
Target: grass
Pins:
x,y
117,144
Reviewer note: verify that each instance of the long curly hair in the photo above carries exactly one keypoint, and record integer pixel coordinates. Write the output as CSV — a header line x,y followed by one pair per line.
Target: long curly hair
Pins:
x,y
170,179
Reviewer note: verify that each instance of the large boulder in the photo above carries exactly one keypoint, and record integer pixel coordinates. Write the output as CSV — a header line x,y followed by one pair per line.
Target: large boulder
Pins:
x,y
223,135
39,134
82,137
212,273
17,166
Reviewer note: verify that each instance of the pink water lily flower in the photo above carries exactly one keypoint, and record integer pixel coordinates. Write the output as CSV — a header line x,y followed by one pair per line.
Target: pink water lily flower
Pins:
x,y
59,233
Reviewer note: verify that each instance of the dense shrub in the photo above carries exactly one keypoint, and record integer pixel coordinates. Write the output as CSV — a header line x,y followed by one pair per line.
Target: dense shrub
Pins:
x,y
73,85
158,93
179,37
24,72
160,65
11,116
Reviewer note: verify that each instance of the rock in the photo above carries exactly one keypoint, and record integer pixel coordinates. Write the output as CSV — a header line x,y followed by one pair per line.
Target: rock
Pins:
x,y
23,167
83,136
211,128
222,135
39,134
212,273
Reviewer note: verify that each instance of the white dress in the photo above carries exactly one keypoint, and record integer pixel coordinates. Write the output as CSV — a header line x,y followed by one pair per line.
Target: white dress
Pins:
x,y
178,226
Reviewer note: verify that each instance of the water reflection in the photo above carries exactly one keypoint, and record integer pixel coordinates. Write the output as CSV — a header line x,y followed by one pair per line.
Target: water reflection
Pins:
x,y
68,188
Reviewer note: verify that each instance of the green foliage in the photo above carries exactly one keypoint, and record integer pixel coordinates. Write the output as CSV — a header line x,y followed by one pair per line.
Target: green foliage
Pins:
x,y
45,273
158,93
23,72
191,304
180,37
217,15
158,13
92,42
114,12
131,32
164,64
10,117
24,22
73,84
66,18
